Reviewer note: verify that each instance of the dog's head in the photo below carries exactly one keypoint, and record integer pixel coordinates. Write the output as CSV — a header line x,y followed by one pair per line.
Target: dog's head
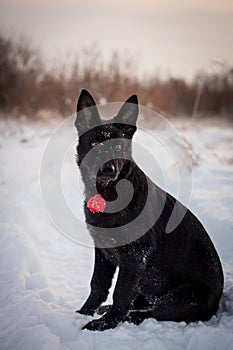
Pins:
x,y
104,149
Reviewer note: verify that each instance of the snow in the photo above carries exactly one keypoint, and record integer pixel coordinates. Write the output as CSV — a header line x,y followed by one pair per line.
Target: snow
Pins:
x,y
44,276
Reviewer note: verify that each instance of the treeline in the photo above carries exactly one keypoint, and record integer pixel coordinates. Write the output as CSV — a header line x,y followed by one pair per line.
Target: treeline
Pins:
x,y
27,85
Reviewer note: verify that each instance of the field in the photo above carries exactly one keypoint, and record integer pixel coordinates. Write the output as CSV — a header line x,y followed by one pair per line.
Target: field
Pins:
x,y
45,275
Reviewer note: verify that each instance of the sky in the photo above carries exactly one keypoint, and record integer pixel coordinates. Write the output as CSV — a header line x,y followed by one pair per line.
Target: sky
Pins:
x,y
174,37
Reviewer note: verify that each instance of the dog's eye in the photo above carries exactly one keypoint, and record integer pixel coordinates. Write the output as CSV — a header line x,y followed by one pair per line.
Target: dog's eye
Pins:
x,y
118,147
95,143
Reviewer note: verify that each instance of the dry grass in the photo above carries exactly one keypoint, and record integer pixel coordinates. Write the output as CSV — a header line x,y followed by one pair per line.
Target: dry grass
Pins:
x,y
27,86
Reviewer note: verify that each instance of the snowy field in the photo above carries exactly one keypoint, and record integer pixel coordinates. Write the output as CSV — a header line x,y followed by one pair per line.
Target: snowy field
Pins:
x,y
44,276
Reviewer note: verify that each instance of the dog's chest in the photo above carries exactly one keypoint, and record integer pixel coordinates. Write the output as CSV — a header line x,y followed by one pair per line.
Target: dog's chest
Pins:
x,y
111,255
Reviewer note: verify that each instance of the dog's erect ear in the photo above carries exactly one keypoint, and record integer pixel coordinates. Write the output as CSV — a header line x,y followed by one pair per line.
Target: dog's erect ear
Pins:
x,y
128,115
87,112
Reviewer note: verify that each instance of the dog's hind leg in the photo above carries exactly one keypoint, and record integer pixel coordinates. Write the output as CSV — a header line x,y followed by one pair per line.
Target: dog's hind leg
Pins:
x,y
187,303
138,304
103,308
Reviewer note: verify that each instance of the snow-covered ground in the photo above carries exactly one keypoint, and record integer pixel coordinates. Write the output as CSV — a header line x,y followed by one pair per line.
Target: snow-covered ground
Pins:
x,y
44,276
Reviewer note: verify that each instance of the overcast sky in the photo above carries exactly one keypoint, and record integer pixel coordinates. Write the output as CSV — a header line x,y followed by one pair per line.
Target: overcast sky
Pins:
x,y
176,36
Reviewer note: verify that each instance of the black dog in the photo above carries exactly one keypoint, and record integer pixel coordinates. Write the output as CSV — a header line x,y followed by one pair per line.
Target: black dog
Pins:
x,y
168,276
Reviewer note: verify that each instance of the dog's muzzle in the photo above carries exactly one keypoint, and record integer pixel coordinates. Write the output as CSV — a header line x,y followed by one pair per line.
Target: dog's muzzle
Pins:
x,y
110,171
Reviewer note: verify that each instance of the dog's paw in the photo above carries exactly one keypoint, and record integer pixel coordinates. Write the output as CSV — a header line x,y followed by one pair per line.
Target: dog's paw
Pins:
x,y
100,325
87,312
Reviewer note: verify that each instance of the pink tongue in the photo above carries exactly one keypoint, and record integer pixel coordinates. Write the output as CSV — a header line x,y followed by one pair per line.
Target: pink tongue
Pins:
x,y
96,204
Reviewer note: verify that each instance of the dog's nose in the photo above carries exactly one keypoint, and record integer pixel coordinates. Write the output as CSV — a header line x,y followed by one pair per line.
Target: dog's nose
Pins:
x,y
108,169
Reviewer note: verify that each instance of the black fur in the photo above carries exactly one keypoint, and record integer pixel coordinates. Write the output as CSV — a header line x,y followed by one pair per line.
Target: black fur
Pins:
x,y
176,276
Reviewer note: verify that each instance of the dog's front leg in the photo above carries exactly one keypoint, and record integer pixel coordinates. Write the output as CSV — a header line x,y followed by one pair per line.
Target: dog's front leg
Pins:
x,y
100,283
124,293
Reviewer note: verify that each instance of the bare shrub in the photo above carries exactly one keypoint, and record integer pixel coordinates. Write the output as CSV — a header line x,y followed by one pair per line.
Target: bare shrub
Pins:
x,y
27,86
